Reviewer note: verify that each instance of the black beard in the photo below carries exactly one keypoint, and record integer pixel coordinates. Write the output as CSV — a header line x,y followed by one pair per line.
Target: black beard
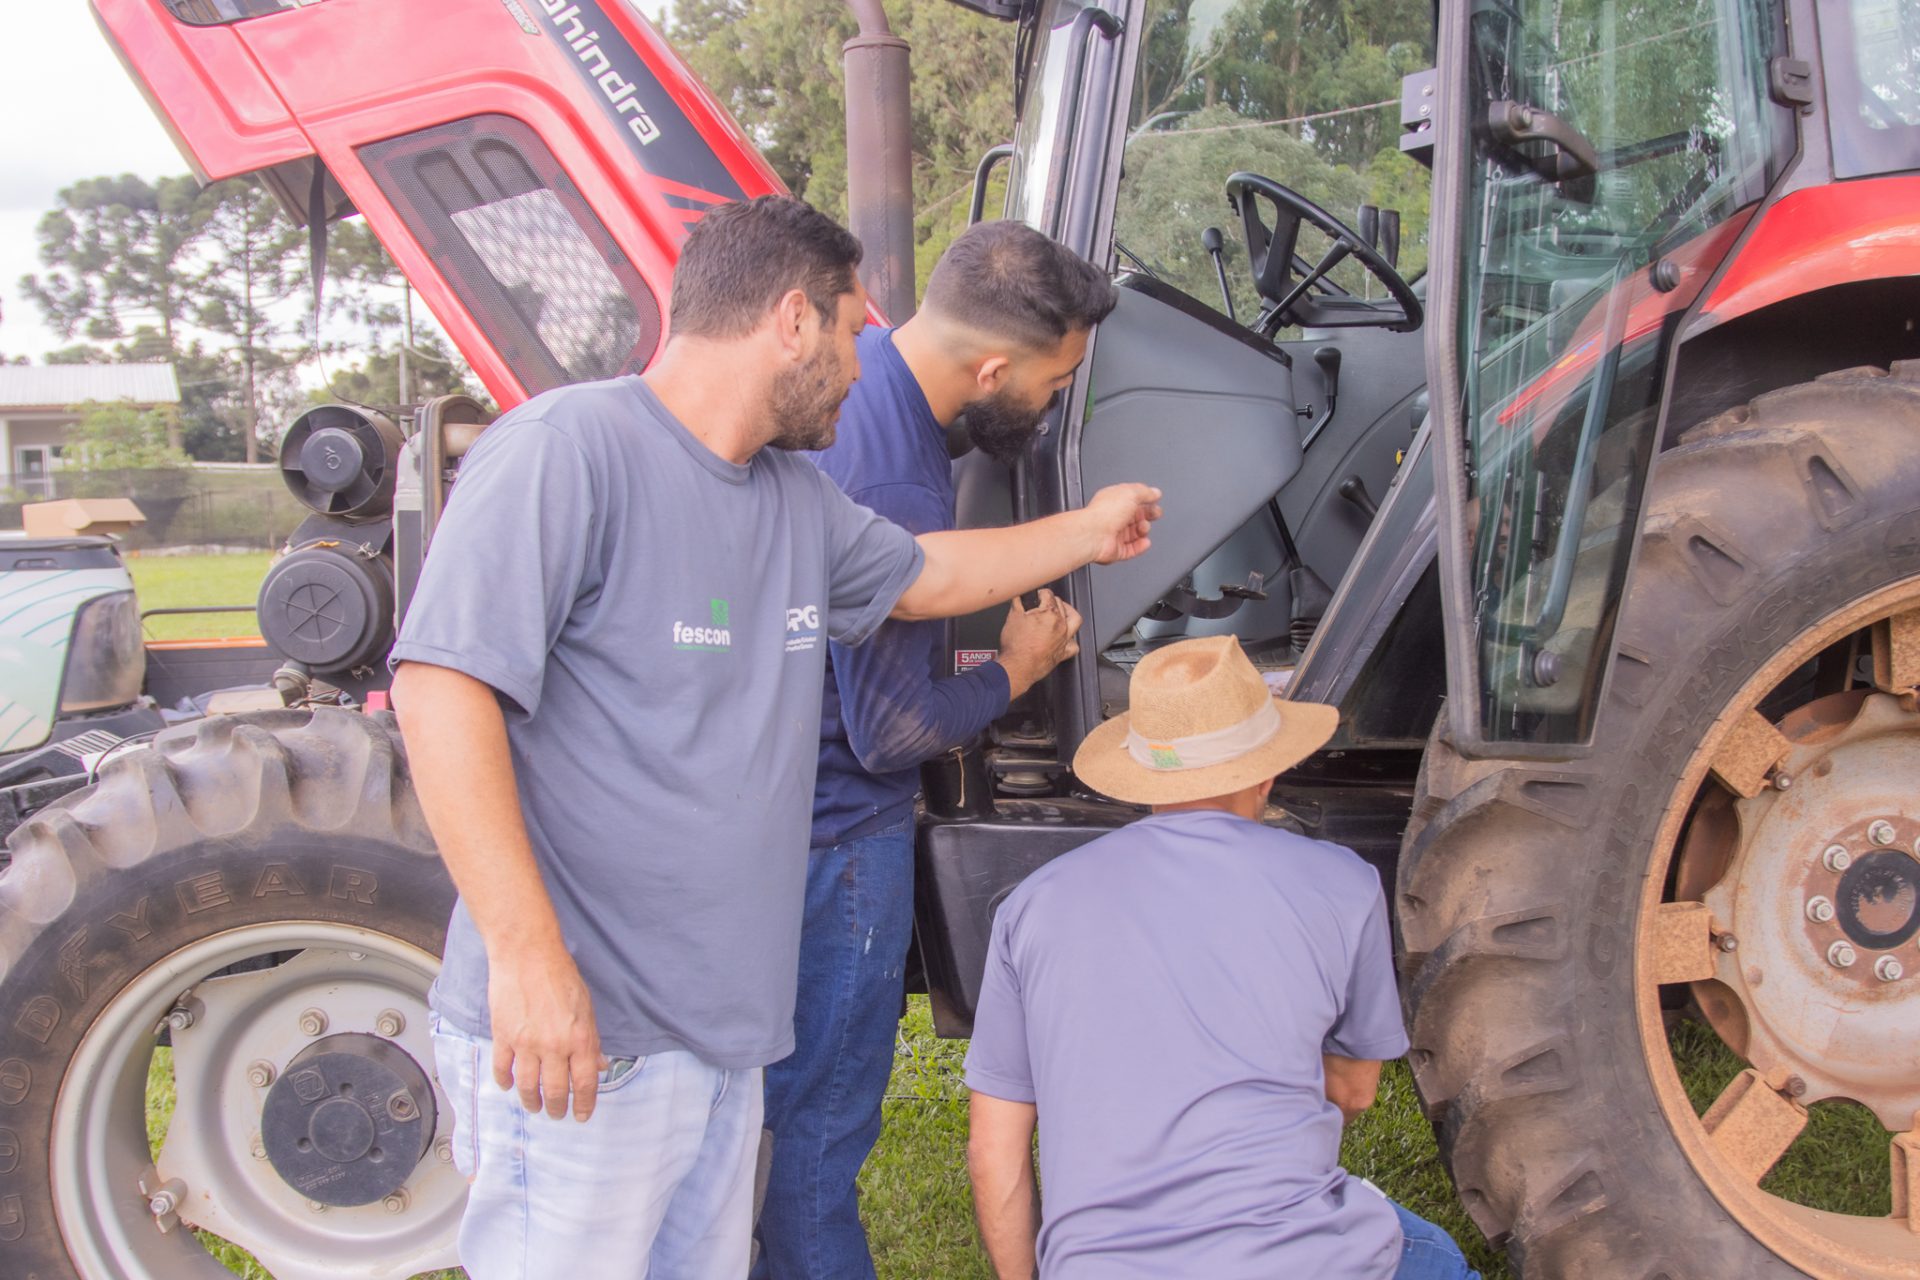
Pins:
x,y
805,404
1002,429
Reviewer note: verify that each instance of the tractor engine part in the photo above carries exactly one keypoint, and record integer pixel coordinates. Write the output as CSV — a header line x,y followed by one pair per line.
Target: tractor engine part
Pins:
x,y
328,603
343,461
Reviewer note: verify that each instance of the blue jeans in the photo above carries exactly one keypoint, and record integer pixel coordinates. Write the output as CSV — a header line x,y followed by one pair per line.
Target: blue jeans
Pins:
x,y
1429,1252
657,1183
823,1102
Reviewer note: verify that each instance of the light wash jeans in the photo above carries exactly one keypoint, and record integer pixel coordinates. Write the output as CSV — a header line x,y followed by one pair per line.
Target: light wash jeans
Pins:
x,y
657,1184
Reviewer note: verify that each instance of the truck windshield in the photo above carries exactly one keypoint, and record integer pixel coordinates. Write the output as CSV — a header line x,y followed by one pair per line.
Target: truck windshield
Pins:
x,y
1615,148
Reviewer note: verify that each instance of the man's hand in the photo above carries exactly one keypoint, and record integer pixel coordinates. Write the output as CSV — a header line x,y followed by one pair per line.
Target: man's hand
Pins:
x,y
1121,515
544,1037
1035,641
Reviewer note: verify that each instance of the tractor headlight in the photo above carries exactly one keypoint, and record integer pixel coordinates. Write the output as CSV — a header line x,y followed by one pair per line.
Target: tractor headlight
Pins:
x,y
106,661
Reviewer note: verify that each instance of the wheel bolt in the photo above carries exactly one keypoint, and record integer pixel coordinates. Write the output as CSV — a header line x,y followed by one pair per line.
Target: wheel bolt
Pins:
x,y
179,1018
316,1207
402,1107
1887,969
162,1204
1841,955
258,1148
389,1023
397,1202
1781,781
1796,1087
1728,942
1880,832
1837,858
313,1023
443,1151
1819,909
260,1074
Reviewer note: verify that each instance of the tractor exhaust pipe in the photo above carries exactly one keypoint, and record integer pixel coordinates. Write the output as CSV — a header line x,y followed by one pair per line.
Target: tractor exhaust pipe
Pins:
x,y
880,158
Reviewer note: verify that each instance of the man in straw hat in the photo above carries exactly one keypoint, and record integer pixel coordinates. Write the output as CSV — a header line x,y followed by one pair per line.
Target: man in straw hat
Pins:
x,y
1189,1007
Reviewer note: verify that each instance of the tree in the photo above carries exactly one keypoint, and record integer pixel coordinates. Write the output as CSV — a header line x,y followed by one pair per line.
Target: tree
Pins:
x,y
120,437
433,370
119,251
776,66
254,260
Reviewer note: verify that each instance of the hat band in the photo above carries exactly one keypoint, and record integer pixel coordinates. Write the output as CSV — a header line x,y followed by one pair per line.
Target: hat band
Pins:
x,y
1201,750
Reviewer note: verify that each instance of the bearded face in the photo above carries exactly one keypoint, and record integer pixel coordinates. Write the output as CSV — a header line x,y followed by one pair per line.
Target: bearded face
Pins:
x,y
806,399
1002,427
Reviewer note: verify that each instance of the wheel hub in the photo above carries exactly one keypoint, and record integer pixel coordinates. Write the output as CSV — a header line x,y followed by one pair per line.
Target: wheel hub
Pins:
x,y
1820,901
348,1121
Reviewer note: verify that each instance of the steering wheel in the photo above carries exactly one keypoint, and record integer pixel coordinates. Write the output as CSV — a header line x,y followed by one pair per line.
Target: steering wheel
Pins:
x,y
1296,292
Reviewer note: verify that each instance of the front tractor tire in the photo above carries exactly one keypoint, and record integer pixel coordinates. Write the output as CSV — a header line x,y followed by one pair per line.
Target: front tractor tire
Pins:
x,y
1697,881
240,924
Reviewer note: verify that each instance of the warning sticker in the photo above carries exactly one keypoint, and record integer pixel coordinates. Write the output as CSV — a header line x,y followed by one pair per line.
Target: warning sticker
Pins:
x,y
967,659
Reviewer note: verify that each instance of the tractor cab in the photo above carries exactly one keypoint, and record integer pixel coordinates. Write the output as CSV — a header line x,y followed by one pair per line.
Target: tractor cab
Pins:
x,y
1268,363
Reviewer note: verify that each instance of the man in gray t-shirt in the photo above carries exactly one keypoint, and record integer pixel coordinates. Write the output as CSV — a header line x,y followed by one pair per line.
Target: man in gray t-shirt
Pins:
x,y
609,682
1188,1007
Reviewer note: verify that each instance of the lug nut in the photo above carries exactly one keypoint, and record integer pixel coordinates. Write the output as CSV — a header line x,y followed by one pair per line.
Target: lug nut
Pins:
x,y
313,1023
1887,969
316,1207
389,1023
1837,858
1819,909
1841,955
1728,942
1796,1087
257,1148
1880,832
1781,781
179,1018
397,1202
260,1074
162,1204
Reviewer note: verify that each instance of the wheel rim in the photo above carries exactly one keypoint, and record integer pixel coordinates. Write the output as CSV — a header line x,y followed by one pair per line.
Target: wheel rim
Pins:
x,y
212,1164
1788,910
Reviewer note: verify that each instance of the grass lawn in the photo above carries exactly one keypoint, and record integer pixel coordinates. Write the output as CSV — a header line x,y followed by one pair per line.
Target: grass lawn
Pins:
x,y
179,582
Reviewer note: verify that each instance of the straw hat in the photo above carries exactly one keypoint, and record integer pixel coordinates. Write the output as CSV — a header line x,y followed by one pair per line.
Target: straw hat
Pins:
x,y
1202,723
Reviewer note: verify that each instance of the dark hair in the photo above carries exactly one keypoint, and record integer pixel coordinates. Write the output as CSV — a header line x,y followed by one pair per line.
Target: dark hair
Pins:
x,y
744,256
1008,280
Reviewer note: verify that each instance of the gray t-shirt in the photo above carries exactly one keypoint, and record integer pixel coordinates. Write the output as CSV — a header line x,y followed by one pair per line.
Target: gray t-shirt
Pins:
x,y
1164,996
655,620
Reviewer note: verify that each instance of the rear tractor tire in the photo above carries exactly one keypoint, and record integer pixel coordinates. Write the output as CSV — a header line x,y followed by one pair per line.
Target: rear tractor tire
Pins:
x,y
1728,883
238,924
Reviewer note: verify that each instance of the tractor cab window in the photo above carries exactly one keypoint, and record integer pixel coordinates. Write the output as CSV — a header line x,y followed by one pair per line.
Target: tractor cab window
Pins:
x,y
213,13
1623,149
1871,50
1303,92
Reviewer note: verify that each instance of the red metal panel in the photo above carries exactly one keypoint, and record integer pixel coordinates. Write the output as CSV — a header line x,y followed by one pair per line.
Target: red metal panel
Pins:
x,y
1867,229
344,73
221,110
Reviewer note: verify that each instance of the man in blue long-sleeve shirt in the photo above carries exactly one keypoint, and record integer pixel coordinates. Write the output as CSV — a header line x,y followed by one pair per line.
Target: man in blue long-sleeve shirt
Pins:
x,y
1005,323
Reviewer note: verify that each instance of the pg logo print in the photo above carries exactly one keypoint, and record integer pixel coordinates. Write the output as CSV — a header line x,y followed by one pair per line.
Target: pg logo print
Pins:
x,y
803,628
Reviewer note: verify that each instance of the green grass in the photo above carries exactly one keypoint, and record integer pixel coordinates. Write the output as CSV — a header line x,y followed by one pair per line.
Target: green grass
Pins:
x,y
179,582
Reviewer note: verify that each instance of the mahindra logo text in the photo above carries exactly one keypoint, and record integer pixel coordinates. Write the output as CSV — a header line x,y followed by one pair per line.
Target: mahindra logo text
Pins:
x,y
568,26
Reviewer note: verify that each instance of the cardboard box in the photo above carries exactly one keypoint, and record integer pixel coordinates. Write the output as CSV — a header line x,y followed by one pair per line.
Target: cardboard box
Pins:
x,y
69,516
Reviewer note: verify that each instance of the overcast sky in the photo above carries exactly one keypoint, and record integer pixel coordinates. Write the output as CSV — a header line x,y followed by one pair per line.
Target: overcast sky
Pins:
x,y
70,113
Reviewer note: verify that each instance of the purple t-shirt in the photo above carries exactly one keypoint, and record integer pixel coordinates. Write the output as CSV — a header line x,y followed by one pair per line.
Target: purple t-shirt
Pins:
x,y
1164,996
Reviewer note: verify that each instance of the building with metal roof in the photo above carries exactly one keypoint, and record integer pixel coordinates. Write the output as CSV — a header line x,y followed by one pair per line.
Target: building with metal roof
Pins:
x,y
39,402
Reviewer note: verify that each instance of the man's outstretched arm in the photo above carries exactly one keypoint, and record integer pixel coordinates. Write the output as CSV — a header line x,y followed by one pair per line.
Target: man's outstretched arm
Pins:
x,y
970,569
1006,1198
544,1036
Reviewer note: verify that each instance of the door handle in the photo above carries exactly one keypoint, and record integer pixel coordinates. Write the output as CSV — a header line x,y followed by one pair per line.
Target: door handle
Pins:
x,y
1569,158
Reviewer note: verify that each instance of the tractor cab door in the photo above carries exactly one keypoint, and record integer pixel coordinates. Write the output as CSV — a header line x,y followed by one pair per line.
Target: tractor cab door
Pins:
x,y
1596,161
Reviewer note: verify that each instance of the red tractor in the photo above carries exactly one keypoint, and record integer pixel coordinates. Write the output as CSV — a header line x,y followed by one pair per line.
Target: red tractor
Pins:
x,y
1626,647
